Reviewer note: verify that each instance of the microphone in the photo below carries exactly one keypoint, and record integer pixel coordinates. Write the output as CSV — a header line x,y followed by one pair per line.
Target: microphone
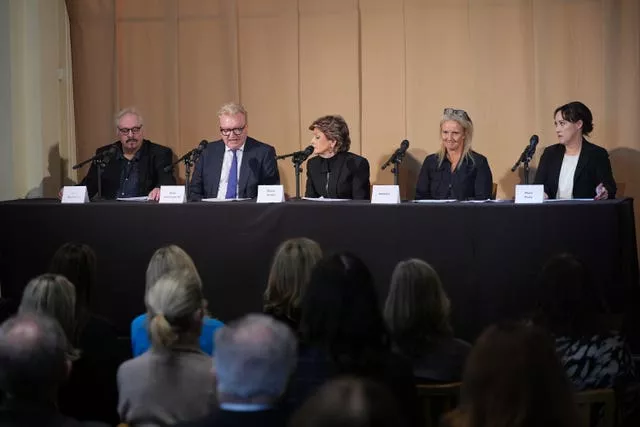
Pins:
x,y
104,156
397,155
298,156
528,152
189,156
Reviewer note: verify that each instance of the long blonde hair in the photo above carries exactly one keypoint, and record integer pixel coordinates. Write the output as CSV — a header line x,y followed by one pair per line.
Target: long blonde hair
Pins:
x,y
289,275
166,259
462,118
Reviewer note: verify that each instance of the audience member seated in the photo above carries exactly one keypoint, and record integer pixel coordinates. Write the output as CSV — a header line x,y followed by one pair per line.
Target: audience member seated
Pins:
x,y
343,333
513,378
171,382
91,392
164,260
254,359
289,275
573,310
417,314
349,402
33,365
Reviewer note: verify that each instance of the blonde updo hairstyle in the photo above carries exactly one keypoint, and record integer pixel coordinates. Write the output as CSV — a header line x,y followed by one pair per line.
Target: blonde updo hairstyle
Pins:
x,y
175,307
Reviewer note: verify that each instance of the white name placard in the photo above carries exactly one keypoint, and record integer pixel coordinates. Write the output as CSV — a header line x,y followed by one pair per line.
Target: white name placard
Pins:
x,y
172,194
385,194
529,193
270,194
75,194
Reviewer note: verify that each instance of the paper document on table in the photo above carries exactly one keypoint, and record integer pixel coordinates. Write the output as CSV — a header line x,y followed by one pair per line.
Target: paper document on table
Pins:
x,y
324,199
133,199
567,200
224,200
435,201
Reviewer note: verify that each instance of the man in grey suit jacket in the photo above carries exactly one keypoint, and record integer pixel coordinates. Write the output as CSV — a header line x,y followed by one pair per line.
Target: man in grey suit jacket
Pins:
x,y
234,166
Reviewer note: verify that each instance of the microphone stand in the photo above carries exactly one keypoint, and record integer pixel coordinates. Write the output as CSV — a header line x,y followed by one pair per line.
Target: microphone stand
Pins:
x,y
396,159
525,158
100,160
297,159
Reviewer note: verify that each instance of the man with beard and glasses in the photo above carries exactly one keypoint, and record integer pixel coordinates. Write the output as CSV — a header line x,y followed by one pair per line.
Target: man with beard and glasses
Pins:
x,y
136,168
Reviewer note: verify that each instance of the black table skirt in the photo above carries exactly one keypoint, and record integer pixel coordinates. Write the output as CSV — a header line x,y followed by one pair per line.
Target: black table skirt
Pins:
x,y
487,254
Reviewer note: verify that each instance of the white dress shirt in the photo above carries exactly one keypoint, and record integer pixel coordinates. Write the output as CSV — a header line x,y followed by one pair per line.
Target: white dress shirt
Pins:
x,y
567,172
226,167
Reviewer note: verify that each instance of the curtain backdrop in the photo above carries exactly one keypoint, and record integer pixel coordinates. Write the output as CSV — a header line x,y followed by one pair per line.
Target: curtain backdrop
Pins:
x,y
388,66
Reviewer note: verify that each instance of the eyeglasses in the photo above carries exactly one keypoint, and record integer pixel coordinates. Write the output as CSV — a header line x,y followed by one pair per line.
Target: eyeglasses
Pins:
x,y
457,113
134,130
236,131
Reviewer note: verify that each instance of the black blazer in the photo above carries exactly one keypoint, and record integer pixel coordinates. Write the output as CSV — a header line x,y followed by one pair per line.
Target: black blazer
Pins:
x,y
472,180
258,167
151,174
348,177
593,168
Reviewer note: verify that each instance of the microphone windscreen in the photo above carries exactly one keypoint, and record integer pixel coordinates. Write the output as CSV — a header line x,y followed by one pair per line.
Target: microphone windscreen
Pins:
x,y
309,150
202,145
404,145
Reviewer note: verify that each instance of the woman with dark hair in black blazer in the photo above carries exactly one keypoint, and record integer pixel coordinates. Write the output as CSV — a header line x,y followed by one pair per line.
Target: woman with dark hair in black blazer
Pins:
x,y
335,172
575,168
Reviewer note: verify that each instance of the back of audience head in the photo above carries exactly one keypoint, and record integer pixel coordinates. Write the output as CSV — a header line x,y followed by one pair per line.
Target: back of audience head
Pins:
x,y
340,310
417,308
514,378
77,262
289,275
33,362
52,295
176,308
349,402
569,304
254,358
166,259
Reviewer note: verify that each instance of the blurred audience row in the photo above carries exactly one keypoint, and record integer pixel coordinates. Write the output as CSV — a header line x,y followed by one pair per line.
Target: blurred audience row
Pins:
x,y
323,339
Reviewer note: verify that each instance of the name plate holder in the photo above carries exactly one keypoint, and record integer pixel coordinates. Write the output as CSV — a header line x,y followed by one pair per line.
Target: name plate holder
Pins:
x,y
385,194
172,194
528,194
74,194
270,194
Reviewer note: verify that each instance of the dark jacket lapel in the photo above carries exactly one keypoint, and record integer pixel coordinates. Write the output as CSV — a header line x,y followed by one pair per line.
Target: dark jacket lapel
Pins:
x,y
583,160
337,169
144,166
217,158
245,170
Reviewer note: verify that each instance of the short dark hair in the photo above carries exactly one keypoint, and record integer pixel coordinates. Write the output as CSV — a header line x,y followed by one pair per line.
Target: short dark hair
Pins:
x,y
569,304
335,129
33,361
340,310
514,377
576,111
350,402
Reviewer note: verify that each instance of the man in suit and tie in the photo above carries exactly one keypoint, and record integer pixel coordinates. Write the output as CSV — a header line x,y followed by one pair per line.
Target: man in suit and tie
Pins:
x,y
234,166
254,358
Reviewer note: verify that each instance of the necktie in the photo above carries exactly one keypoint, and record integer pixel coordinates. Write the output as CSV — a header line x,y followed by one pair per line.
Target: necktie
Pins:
x,y
232,183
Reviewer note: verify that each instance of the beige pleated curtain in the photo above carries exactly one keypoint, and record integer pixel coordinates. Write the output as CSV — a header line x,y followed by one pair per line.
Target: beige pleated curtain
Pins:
x,y
388,66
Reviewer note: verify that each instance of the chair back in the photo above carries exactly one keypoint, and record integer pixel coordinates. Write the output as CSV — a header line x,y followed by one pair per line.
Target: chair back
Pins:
x,y
598,407
621,186
494,191
436,400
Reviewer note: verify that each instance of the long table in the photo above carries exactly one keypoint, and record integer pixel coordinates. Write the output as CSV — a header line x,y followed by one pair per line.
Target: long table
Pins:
x,y
487,254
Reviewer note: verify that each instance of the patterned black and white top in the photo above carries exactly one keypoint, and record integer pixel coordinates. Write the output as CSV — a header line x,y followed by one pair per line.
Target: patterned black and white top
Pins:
x,y
599,361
